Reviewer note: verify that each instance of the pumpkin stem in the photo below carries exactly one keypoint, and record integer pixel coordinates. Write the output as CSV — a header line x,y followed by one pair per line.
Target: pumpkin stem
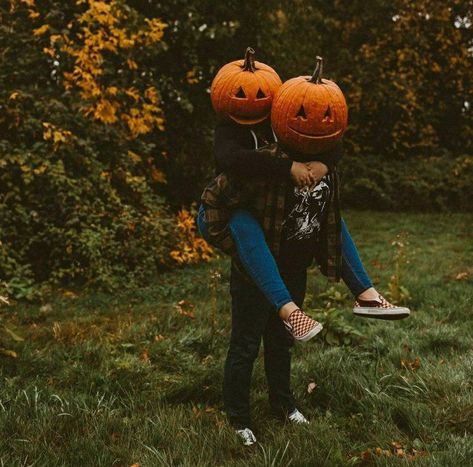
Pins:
x,y
249,63
317,74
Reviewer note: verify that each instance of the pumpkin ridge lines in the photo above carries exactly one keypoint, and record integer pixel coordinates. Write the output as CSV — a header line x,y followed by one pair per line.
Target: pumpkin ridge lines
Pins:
x,y
280,92
220,92
285,106
306,90
325,111
275,79
278,101
245,107
261,77
306,111
220,80
234,83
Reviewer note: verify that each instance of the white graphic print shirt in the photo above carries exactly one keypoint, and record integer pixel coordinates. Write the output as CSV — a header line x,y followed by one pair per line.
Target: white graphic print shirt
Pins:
x,y
305,217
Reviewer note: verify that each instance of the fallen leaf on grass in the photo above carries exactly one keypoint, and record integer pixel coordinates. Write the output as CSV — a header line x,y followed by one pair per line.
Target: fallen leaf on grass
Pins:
x,y
461,276
410,365
396,450
69,294
311,387
46,308
159,337
377,264
185,308
207,359
145,356
198,410
8,353
4,300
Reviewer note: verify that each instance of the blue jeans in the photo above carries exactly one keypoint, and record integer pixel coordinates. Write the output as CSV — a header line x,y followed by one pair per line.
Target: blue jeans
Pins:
x,y
261,266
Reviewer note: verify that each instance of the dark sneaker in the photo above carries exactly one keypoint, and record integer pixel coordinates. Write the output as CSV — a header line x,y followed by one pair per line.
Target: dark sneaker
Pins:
x,y
297,417
380,309
301,326
246,436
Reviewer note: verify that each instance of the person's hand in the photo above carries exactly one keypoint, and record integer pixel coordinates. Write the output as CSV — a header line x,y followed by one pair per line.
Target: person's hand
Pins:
x,y
302,175
317,169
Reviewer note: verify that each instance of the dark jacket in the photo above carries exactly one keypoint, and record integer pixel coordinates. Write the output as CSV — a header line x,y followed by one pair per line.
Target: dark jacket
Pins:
x,y
257,179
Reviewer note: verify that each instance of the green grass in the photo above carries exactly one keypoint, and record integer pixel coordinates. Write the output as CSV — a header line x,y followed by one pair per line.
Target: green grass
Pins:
x,y
128,378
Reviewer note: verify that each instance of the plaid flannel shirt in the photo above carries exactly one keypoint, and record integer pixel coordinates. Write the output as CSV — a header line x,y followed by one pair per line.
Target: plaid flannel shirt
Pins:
x,y
267,201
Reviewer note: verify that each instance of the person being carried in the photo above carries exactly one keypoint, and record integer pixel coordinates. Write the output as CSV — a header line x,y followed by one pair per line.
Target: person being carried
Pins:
x,y
275,215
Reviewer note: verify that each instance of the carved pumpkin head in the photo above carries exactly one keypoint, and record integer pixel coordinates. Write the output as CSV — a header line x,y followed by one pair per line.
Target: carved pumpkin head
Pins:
x,y
243,90
309,114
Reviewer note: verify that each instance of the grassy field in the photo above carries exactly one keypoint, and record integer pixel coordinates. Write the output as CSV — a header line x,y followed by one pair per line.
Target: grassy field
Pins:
x,y
135,378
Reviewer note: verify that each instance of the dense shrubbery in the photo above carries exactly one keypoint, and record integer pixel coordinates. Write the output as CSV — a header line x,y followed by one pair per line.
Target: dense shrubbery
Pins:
x,y
106,123
79,171
428,184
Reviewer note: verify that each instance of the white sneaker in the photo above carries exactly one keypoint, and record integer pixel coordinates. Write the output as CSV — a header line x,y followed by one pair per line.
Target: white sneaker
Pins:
x,y
247,436
297,417
380,309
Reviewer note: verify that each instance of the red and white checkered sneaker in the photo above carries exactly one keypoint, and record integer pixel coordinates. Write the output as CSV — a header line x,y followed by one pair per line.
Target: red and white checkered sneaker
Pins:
x,y
301,326
380,309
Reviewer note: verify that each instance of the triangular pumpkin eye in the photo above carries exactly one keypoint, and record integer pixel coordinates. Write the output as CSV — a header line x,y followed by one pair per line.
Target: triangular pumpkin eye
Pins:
x,y
301,113
240,94
328,113
260,94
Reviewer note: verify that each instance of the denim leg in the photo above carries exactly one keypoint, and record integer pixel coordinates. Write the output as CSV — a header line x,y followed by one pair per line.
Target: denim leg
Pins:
x,y
254,254
257,258
353,272
277,350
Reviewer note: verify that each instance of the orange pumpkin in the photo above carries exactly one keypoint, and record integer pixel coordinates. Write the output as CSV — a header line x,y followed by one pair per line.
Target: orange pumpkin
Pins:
x,y
309,114
243,90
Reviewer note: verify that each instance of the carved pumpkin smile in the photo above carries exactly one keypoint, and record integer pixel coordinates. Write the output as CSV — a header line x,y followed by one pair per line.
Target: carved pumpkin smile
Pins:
x,y
319,137
309,114
243,90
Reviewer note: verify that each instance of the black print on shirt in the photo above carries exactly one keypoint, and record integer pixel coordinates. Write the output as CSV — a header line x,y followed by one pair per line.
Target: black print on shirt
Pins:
x,y
305,216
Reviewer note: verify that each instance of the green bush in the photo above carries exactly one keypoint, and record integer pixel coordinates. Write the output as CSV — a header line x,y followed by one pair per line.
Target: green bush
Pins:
x,y
61,224
79,199
427,184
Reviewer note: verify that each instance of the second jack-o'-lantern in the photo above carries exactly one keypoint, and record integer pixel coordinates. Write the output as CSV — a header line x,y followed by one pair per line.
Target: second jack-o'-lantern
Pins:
x,y
243,90
309,114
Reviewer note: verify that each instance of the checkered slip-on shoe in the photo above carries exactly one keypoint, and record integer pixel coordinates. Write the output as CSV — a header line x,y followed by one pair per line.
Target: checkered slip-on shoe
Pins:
x,y
301,326
247,436
380,309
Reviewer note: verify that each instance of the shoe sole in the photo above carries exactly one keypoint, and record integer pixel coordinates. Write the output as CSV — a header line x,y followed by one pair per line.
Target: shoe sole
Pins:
x,y
385,314
312,333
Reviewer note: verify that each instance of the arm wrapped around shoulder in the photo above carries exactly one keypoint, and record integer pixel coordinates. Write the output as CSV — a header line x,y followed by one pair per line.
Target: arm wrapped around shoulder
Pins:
x,y
235,156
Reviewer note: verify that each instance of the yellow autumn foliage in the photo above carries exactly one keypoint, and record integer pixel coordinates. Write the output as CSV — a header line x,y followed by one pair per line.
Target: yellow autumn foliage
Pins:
x,y
191,248
56,135
104,30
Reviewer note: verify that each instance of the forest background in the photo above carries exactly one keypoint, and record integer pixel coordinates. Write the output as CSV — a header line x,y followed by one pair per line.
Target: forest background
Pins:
x,y
106,124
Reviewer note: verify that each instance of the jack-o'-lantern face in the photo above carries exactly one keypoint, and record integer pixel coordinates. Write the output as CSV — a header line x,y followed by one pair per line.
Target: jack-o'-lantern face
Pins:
x,y
309,114
243,90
